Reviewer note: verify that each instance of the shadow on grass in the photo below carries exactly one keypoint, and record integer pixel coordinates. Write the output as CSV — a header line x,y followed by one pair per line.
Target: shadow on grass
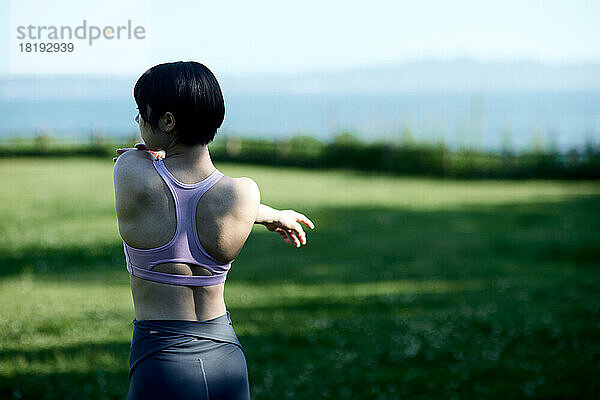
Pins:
x,y
77,372
521,325
469,344
373,244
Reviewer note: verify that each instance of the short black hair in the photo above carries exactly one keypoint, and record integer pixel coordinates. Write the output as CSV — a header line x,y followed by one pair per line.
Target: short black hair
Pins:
x,y
188,90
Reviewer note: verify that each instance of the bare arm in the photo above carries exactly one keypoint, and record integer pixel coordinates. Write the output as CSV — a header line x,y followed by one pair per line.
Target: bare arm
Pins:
x,y
284,222
265,214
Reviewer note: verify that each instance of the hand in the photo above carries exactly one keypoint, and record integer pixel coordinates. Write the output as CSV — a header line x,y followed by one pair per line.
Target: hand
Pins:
x,y
140,146
286,223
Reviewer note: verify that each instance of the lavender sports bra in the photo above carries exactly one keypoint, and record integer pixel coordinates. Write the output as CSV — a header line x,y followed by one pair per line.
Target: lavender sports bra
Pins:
x,y
185,246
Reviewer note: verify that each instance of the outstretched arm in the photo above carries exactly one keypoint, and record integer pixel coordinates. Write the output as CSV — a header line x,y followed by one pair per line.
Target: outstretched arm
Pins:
x,y
284,222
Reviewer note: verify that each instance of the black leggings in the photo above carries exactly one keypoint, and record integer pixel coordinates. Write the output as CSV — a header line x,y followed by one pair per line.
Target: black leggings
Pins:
x,y
174,359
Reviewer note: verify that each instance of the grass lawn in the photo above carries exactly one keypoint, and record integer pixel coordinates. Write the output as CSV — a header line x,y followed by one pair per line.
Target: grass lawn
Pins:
x,y
409,287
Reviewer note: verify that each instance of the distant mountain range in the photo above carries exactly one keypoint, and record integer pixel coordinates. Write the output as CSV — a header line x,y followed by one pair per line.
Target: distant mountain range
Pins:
x,y
424,75
457,75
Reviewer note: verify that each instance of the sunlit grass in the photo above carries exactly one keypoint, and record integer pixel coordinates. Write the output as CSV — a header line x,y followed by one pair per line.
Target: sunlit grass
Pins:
x,y
409,287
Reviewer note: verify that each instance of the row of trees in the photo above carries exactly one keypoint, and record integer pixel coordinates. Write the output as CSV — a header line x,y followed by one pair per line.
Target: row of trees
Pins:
x,y
348,151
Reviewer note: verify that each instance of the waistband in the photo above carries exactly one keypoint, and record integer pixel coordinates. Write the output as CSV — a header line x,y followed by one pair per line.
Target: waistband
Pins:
x,y
150,336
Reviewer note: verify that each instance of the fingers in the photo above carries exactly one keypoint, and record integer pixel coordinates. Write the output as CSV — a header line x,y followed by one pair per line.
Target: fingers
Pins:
x,y
121,151
157,154
283,235
304,219
296,234
295,238
299,233
294,229
289,236
298,228
140,146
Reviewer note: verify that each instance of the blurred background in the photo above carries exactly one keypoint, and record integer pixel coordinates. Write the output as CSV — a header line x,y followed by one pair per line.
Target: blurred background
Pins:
x,y
449,154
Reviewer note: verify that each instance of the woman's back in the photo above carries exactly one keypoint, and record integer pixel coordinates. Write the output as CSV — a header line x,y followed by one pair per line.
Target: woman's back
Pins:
x,y
182,223
224,217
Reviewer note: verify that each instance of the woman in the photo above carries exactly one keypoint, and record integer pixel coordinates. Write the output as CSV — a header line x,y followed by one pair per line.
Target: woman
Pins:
x,y
183,223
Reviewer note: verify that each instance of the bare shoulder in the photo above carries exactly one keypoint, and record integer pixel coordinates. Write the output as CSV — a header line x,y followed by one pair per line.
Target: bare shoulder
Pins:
x,y
133,165
134,183
229,211
245,189
238,196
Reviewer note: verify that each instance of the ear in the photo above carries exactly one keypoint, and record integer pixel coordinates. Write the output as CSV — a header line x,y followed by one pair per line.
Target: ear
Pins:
x,y
166,123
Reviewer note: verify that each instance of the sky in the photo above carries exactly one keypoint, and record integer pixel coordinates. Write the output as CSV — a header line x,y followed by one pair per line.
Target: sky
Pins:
x,y
243,37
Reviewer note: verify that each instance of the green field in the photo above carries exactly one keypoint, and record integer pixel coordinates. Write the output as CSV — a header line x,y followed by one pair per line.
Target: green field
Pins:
x,y
408,287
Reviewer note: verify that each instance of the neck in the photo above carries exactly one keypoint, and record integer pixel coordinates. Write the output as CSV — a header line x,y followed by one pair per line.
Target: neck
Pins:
x,y
190,156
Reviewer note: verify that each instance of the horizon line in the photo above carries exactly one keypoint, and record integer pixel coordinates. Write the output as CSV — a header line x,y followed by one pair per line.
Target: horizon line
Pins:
x,y
335,69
